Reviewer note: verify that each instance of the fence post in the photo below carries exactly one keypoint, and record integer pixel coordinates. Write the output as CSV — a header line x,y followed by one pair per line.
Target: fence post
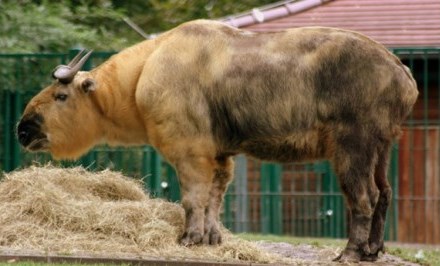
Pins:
x,y
271,201
393,173
145,167
241,192
156,173
173,184
7,153
18,106
333,205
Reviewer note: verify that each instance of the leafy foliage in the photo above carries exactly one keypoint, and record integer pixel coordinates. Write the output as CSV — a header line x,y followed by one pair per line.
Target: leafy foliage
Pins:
x,y
29,26
166,14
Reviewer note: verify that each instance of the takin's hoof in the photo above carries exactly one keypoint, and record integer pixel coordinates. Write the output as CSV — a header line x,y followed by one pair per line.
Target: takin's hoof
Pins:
x,y
375,248
213,237
370,257
353,253
348,256
191,238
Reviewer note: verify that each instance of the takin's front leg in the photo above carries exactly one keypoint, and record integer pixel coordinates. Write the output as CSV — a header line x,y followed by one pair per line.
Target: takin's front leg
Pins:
x,y
195,175
354,164
223,175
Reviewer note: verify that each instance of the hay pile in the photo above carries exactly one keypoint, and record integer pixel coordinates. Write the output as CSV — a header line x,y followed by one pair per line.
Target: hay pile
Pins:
x,y
73,211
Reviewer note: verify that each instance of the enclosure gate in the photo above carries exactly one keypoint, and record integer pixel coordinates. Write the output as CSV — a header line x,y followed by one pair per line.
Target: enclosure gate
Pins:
x,y
296,199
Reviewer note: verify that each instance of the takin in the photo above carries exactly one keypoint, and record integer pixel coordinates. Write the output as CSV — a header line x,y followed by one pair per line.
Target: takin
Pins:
x,y
204,92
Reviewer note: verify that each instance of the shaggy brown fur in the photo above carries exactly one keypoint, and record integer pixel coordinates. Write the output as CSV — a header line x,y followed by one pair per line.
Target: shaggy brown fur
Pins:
x,y
204,92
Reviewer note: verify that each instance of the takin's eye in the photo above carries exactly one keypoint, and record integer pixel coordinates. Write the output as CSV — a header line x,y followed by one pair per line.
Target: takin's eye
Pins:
x,y
60,97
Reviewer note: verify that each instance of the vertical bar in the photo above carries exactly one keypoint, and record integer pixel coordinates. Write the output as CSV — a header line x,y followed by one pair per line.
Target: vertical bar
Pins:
x,y
13,101
438,86
241,192
425,90
304,201
427,145
99,159
326,199
334,211
18,105
119,158
7,164
412,124
436,202
265,198
271,203
391,233
173,184
105,156
276,199
156,169
339,213
144,168
130,168
317,199
86,160
228,216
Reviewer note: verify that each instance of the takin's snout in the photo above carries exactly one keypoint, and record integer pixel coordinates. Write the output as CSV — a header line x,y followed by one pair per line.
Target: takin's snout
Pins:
x,y
29,132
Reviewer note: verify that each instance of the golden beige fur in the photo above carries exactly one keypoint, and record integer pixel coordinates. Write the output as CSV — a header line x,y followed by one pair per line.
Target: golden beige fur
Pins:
x,y
204,92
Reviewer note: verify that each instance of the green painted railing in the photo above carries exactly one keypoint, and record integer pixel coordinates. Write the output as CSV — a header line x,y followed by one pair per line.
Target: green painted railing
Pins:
x,y
297,199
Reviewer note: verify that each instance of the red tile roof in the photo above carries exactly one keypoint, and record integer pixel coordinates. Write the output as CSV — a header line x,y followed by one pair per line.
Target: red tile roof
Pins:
x,y
395,23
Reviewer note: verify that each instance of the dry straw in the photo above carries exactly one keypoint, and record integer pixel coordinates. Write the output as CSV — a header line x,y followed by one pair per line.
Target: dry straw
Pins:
x,y
73,211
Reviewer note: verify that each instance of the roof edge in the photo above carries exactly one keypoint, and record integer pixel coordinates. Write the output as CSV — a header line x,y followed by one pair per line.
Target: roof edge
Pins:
x,y
274,11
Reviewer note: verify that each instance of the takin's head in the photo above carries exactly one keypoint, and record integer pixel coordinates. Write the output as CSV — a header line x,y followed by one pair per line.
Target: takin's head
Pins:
x,y
63,117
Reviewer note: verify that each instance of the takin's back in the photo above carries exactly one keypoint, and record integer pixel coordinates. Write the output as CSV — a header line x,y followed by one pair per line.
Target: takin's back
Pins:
x,y
278,96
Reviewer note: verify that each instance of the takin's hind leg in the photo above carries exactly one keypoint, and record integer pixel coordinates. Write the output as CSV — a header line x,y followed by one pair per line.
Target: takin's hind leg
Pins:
x,y
376,242
223,175
354,164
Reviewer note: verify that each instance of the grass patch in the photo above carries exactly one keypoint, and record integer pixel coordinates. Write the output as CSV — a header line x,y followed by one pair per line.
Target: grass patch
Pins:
x,y
316,242
426,255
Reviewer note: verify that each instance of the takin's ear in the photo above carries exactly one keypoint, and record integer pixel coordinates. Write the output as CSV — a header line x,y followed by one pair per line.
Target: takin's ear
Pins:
x,y
88,84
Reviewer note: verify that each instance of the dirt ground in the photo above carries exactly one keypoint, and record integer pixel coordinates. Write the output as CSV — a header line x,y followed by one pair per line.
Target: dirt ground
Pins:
x,y
304,254
324,255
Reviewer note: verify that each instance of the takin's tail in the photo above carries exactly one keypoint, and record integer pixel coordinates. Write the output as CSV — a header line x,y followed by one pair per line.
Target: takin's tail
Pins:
x,y
409,86
410,93
408,97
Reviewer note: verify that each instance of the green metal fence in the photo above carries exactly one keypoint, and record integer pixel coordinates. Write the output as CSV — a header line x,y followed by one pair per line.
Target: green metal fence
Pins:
x,y
417,193
296,199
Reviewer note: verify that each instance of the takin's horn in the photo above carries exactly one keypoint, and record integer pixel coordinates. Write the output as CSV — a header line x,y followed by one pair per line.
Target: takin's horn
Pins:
x,y
65,74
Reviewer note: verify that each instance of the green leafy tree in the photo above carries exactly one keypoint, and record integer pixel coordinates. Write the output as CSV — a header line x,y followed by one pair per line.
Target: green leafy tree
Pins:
x,y
159,15
31,27
56,26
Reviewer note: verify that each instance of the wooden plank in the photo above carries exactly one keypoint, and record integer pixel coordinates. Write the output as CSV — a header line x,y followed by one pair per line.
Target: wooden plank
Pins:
x,y
418,180
60,259
432,187
404,216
